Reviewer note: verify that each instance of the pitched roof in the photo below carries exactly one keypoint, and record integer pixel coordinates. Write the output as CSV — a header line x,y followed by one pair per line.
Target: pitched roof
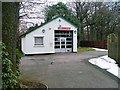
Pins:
x,y
36,27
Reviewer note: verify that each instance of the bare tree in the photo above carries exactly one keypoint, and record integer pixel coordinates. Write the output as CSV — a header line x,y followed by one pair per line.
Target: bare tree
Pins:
x,y
31,13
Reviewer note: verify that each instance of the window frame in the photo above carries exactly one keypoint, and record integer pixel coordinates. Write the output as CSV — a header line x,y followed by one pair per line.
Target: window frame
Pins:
x,y
34,44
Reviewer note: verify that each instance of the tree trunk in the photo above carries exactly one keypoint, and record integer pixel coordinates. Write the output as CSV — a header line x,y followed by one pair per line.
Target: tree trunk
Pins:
x,y
10,13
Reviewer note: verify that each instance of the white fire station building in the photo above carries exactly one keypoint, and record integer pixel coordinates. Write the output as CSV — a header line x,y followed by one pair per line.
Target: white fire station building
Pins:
x,y
57,35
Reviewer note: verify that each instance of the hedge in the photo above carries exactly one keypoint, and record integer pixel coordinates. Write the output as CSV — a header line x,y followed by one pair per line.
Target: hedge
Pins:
x,y
114,46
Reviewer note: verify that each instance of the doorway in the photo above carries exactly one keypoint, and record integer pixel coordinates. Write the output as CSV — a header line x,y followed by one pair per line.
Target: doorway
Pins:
x,y
62,44
63,41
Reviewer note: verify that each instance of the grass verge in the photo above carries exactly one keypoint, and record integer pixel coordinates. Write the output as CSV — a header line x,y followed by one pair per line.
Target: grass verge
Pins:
x,y
84,49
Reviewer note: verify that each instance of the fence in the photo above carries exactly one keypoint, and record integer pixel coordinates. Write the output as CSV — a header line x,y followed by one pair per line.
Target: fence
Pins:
x,y
96,44
114,46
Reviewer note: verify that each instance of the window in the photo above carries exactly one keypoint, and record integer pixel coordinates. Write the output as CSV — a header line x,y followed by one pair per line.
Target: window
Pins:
x,y
38,40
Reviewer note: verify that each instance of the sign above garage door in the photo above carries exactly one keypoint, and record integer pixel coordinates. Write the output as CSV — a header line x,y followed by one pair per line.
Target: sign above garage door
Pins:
x,y
64,28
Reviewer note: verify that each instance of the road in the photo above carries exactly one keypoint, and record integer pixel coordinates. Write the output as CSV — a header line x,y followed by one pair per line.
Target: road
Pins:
x,y
68,70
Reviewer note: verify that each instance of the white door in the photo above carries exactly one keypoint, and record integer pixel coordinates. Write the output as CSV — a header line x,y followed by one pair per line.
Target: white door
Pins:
x,y
62,44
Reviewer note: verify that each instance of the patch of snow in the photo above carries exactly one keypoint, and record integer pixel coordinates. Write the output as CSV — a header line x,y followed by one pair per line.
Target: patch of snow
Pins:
x,y
106,63
98,49
113,70
108,59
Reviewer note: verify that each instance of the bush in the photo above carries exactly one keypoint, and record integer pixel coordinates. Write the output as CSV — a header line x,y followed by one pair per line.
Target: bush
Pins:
x,y
9,77
114,46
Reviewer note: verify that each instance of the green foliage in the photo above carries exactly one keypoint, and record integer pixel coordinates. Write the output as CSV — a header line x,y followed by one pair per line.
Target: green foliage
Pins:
x,y
18,54
102,18
83,49
10,58
114,46
60,9
9,77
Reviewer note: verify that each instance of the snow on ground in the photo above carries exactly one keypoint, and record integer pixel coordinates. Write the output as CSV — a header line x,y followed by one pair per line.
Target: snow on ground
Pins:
x,y
98,49
106,63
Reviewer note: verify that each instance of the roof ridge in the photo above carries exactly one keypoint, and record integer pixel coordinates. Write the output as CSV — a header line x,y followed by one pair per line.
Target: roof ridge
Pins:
x,y
34,28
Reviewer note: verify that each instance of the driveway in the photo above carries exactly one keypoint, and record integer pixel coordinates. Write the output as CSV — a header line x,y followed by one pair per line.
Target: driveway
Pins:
x,y
69,70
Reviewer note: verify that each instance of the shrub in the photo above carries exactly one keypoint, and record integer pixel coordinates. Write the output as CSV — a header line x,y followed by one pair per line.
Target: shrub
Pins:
x,y
9,77
114,46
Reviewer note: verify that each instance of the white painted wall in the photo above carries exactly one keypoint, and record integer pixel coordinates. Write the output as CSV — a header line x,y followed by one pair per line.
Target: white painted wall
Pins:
x,y
74,41
28,41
